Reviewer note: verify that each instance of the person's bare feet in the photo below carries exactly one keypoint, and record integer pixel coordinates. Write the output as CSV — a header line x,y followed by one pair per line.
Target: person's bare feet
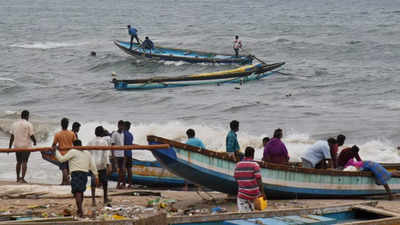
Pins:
x,y
22,180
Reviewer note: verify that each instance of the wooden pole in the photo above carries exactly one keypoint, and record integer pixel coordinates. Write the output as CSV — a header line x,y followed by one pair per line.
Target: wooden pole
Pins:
x,y
90,148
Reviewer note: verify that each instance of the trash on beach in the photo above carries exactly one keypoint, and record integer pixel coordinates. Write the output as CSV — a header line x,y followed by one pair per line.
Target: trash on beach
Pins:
x,y
217,210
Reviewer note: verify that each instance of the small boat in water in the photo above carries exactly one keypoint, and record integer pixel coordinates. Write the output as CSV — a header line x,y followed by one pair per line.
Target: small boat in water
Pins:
x,y
174,54
215,170
239,75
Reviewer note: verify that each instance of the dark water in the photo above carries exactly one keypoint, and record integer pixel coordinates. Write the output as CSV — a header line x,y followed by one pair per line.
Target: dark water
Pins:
x,y
342,56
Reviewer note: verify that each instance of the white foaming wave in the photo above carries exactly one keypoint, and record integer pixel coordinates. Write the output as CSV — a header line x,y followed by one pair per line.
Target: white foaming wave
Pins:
x,y
175,63
48,45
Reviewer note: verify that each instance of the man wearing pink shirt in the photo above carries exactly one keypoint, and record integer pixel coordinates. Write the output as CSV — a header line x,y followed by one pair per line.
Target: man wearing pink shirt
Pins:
x,y
22,137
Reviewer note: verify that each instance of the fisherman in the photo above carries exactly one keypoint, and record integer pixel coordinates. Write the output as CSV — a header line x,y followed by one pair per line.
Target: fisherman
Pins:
x,y
133,33
192,140
232,144
265,140
237,45
380,173
117,138
318,153
80,163
101,159
22,136
75,128
275,150
248,176
347,154
334,153
64,139
128,140
147,44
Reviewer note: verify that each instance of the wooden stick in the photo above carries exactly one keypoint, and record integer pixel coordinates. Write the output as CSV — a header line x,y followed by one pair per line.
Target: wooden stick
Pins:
x,y
90,148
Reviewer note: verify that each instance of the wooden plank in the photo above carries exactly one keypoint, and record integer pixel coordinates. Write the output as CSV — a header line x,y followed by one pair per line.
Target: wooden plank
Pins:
x,y
376,211
270,213
385,221
89,148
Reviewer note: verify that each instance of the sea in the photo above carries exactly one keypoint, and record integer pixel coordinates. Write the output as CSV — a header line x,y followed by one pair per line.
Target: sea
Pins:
x,y
341,74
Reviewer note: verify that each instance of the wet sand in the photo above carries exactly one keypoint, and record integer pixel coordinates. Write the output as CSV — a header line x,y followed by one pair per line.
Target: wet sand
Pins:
x,y
55,200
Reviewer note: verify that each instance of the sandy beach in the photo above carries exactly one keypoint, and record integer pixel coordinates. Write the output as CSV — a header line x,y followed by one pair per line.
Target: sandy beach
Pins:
x,y
47,201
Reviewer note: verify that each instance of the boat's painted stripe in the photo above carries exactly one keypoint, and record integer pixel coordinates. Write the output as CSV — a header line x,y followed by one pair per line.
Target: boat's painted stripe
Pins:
x,y
287,178
252,77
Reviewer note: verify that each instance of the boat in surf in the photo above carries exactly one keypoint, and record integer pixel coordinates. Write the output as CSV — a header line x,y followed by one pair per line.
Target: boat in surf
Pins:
x,y
186,55
214,170
239,75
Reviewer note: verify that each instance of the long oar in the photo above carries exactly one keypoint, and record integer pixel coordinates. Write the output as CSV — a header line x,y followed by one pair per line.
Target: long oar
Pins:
x,y
253,56
90,148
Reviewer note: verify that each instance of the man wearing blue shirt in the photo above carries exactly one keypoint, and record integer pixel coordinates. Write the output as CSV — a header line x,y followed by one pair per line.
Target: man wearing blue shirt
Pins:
x,y
192,140
128,140
232,144
133,33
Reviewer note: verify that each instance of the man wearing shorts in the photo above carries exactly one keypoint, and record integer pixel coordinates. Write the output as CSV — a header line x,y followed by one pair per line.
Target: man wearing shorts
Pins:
x,y
64,139
101,159
22,137
80,163
117,138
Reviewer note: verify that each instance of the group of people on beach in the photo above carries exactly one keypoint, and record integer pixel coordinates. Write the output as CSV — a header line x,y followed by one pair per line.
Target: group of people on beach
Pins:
x,y
76,165
324,154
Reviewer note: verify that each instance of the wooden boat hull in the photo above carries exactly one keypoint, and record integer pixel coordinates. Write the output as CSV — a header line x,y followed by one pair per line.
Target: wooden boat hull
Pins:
x,y
148,173
239,75
215,170
173,54
151,173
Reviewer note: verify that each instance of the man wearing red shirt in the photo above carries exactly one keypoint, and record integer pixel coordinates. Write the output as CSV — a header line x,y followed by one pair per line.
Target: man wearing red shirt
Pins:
x,y
248,177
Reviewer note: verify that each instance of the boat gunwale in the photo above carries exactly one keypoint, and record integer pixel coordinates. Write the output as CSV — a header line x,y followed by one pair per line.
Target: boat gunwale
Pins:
x,y
272,166
242,60
195,77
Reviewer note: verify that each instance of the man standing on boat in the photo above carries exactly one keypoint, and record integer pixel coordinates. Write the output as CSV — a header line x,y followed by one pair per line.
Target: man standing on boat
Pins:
x,y
248,177
237,45
22,137
232,144
318,153
128,140
63,139
133,33
117,138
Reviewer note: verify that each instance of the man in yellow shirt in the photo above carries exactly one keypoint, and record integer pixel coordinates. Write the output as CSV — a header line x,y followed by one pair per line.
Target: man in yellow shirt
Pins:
x,y
64,139
22,137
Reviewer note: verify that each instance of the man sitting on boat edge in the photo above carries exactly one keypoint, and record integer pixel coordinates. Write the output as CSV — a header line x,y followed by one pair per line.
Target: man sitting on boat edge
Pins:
x,y
147,44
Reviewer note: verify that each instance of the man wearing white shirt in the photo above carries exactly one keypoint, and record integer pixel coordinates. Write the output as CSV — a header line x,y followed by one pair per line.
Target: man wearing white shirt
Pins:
x,y
318,153
117,138
80,163
101,159
22,137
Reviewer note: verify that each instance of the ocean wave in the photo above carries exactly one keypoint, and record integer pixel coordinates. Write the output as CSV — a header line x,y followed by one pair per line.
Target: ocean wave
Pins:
x,y
48,45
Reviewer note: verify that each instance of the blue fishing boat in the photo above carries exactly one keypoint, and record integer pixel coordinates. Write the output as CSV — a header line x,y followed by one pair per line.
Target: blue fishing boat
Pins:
x,y
174,54
148,173
239,75
151,173
215,170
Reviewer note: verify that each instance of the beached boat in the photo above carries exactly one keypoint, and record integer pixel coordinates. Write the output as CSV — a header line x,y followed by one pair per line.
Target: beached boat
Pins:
x,y
174,54
215,170
148,173
151,173
239,75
